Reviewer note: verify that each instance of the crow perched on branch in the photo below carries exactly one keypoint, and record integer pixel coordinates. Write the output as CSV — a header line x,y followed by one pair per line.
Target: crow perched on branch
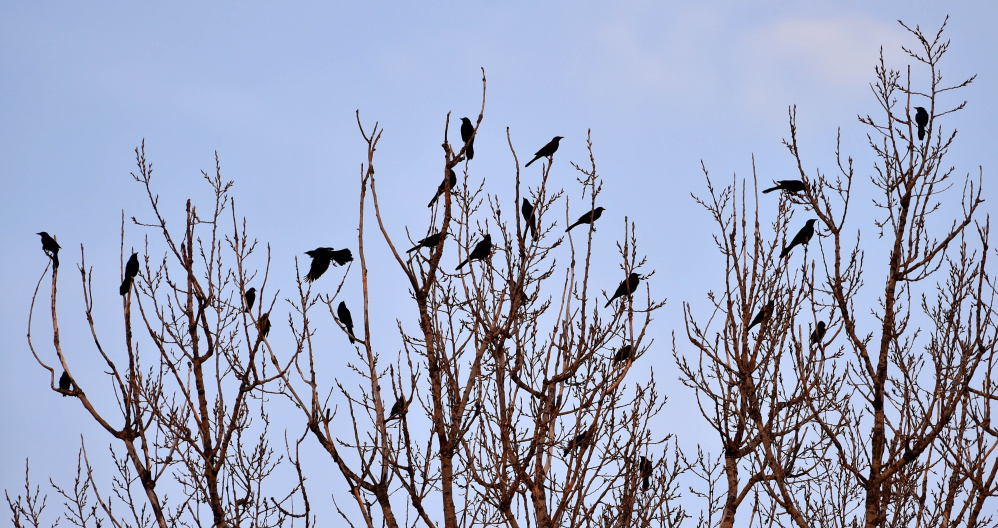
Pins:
x,y
50,247
481,251
581,440
623,354
802,237
787,186
263,324
344,314
819,333
131,270
528,216
443,187
546,151
627,287
65,382
587,218
467,129
763,316
250,299
645,468
321,257
398,410
428,242
922,120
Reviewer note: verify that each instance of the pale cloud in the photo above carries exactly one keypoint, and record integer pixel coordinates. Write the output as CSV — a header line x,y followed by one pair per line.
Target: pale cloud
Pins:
x,y
825,56
702,53
654,50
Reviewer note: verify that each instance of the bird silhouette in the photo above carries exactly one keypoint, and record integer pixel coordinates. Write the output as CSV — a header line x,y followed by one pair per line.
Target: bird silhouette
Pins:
x,y
623,354
443,187
921,119
321,258
65,382
51,248
763,316
546,151
131,270
467,129
344,314
250,298
581,441
587,218
398,410
787,186
528,215
819,333
263,325
627,287
481,251
802,237
645,467
428,242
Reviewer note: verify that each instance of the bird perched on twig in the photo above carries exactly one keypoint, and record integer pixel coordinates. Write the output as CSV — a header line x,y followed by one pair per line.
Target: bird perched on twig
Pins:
x,y
50,247
922,120
587,218
819,333
645,468
131,270
581,440
763,316
429,242
787,186
451,181
481,251
263,325
250,299
627,287
467,129
65,382
321,257
398,410
802,237
623,354
546,151
528,216
344,314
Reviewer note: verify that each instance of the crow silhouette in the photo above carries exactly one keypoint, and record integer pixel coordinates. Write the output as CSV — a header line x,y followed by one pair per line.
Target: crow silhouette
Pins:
x,y
802,237
481,251
763,316
787,186
587,218
131,270
50,247
627,287
921,119
344,314
443,186
428,242
467,129
250,298
65,382
819,333
528,216
321,258
546,151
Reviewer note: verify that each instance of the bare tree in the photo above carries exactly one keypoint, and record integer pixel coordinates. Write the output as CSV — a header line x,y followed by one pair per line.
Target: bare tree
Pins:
x,y
508,406
187,417
857,423
508,400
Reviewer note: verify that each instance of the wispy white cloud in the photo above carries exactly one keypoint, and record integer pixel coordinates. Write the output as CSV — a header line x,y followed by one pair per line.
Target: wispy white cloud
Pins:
x,y
829,55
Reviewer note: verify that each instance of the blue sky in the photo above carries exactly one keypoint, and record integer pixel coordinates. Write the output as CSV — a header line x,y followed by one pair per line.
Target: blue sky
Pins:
x,y
273,88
